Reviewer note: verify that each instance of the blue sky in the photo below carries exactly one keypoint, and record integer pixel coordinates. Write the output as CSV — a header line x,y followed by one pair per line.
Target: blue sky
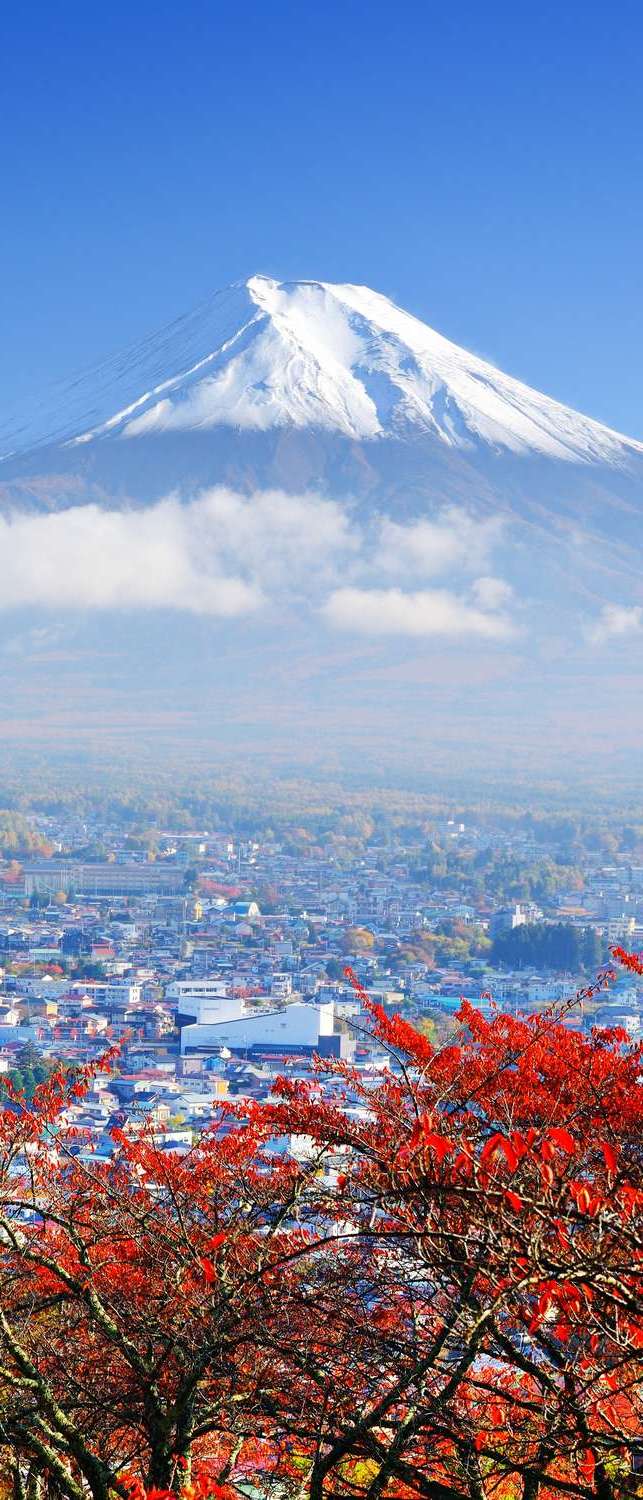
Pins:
x,y
482,164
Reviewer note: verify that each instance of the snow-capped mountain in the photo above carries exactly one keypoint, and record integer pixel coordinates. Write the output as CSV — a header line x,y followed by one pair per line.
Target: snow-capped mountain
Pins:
x,y
298,499
333,358
311,386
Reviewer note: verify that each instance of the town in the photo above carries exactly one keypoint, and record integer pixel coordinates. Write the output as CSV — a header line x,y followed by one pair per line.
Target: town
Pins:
x,y
216,962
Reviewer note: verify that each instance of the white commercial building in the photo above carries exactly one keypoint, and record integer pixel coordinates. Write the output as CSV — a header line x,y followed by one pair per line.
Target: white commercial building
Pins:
x,y
290,1028
201,989
204,1000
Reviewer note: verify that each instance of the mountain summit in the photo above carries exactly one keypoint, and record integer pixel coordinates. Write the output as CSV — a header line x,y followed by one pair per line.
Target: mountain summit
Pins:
x,y
266,355
345,359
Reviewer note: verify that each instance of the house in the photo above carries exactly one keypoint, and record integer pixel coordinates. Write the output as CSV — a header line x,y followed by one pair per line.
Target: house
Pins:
x,y
245,910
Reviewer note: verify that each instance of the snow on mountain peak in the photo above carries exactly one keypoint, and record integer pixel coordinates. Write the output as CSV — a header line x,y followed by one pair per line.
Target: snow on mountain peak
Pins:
x,y
309,354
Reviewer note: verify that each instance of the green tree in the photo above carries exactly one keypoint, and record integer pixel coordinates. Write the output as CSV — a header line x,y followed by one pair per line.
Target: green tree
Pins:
x,y
549,945
87,969
29,1056
29,1084
38,899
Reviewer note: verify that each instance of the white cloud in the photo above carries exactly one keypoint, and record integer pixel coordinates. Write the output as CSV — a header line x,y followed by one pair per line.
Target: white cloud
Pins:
x,y
279,540
492,593
616,620
220,555
426,613
225,555
455,539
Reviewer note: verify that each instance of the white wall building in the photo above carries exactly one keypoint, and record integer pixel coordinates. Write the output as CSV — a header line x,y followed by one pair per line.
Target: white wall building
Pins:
x,y
206,1000
290,1027
201,989
281,986
122,992
540,987
42,987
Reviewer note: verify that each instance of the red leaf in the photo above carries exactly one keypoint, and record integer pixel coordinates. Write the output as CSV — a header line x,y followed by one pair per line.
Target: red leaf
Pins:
x,y
463,1164
610,1155
217,1239
562,1138
207,1267
514,1202
499,1142
581,1196
586,1466
632,961
438,1145
422,1135
520,1146
632,1198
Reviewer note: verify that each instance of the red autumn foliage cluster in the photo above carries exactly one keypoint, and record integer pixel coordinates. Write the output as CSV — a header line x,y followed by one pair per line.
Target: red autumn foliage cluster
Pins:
x,y
439,1297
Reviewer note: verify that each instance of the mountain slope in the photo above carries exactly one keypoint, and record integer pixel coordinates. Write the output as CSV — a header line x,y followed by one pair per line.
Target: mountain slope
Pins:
x,y
341,359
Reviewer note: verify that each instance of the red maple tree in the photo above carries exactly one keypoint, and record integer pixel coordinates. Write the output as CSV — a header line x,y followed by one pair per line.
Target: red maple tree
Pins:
x,y
438,1296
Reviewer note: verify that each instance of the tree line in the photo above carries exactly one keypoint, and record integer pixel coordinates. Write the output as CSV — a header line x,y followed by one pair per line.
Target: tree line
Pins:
x,y
550,945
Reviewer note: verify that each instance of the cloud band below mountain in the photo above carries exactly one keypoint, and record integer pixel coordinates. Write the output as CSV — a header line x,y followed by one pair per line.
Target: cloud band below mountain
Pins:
x,y
226,555
423,613
218,555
